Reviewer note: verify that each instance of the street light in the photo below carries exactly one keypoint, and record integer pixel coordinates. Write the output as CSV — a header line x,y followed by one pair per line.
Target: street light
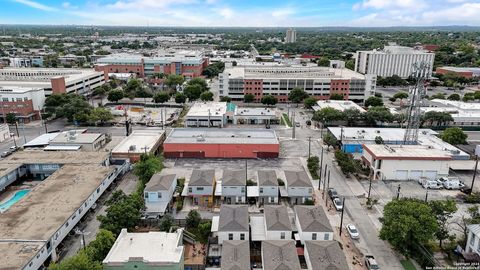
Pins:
x,y
82,233
477,153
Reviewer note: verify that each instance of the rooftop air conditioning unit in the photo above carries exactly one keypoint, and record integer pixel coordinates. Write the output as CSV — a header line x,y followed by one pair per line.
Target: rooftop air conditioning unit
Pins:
x,y
132,148
377,131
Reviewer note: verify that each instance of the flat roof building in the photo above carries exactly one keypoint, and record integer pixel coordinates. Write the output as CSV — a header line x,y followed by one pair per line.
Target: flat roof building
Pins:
x,y
464,114
139,142
85,141
340,105
206,114
221,143
24,102
252,115
152,250
466,72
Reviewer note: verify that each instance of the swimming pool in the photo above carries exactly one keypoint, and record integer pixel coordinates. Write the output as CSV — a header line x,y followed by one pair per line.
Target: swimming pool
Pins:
x,y
15,198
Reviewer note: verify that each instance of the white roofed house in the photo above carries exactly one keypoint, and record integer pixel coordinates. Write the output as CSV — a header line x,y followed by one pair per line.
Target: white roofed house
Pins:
x,y
277,223
298,186
234,186
312,223
267,186
232,224
158,194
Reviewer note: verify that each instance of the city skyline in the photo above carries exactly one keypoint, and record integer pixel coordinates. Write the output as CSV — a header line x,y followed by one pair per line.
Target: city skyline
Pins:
x,y
356,13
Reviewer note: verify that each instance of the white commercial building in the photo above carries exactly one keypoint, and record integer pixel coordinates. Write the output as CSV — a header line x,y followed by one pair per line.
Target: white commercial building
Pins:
x,y
204,114
23,94
278,80
253,116
406,162
340,105
463,113
73,140
392,60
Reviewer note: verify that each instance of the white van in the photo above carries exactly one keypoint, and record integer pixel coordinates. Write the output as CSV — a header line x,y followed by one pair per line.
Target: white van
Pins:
x,y
453,184
432,184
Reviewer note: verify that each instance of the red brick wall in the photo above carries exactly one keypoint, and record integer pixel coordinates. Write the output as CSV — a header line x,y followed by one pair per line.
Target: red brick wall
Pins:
x,y
254,87
223,150
341,87
58,85
21,108
465,74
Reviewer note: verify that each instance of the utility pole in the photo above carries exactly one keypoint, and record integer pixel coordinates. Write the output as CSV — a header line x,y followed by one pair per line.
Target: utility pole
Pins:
x,y
14,142
321,167
426,196
341,218
398,192
309,142
16,128
475,171
246,170
324,182
292,121
328,185
3,112
23,131
41,119
369,188
161,117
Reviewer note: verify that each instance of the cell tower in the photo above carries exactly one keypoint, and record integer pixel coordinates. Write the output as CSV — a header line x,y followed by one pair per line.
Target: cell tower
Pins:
x,y
417,93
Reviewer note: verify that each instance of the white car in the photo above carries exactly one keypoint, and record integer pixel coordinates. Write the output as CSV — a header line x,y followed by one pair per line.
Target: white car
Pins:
x,y
352,230
337,202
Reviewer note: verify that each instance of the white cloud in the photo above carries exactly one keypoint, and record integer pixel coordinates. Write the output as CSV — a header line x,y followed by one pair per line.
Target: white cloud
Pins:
x,y
282,12
147,4
36,5
382,4
226,12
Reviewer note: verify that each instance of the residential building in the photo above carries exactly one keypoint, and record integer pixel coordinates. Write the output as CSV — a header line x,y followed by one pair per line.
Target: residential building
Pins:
x,y
34,227
234,184
73,140
340,105
405,162
278,80
24,102
321,255
268,186
221,143
312,224
158,194
464,114
189,64
138,143
277,223
291,36
466,72
473,239
299,187
280,255
206,114
150,250
53,80
392,60
235,255
233,223
201,187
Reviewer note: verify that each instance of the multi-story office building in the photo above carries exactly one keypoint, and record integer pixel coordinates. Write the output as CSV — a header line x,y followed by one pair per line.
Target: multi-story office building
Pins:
x,y
279,80
24,102
187,63
291,36
27,61
53,80
392,60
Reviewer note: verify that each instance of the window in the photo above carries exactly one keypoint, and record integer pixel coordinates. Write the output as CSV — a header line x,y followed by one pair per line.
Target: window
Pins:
x,y
282,235
314,236
230,236
261,190
189,189
472,239
272,199
146,195
159,195
242,236
199,188
326,237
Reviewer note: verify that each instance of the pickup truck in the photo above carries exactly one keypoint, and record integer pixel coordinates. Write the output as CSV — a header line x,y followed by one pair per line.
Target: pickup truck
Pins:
x,y
371,263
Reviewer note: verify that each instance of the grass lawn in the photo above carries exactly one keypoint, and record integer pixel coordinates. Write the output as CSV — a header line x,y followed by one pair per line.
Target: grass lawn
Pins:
x,y
287,120
408,265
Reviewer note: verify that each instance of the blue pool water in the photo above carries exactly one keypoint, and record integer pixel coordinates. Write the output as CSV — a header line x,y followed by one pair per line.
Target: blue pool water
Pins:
x,y
15,198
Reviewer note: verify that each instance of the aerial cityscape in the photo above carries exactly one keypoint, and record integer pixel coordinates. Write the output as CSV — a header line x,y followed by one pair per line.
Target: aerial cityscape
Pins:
x,y
239,135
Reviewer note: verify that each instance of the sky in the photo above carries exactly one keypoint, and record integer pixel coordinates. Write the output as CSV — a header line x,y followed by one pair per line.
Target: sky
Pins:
x,y
243,13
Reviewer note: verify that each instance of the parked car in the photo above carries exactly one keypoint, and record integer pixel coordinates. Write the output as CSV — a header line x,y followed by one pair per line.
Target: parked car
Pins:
x,y
432,184
352,231
338,203
5,154
453,184
466,190
297,124
371,263
332,193
308,123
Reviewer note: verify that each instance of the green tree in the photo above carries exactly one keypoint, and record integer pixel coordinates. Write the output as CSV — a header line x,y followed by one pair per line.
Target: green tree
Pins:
x,y
439,118
206,96
476,95
199,81
454,96
378,114
406,223
323,62
166,223
248,98
373,102
125,213
173,80
77,262
180,98
269,100
76,108
434,84
100,114
161,97
193,219
378,140
443,211
147,166
193,91
438,96
11,118
327,115
115,95
133,85
329,140
204,230
401,95
336,96
352,116
309,102
468,97
297,95
226,99
98,249
454,135
345,161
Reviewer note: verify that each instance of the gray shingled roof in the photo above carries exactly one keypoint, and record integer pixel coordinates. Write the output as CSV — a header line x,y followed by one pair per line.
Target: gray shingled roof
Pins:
x,y
202,178
235,255
276,218
234,178
233,218
297,179
267,178
160,182
326,255
280,255
312,218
